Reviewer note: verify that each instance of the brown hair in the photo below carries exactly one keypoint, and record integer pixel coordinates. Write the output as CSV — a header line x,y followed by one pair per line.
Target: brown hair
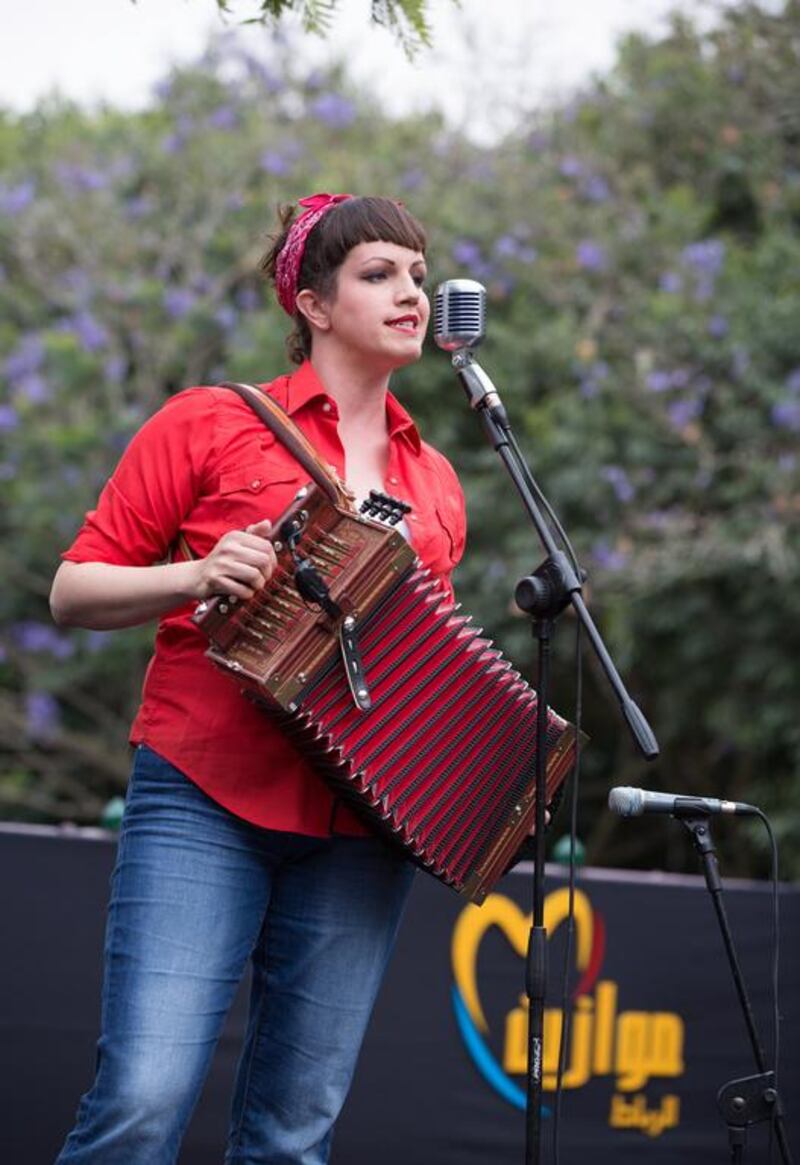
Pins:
x,y
344,226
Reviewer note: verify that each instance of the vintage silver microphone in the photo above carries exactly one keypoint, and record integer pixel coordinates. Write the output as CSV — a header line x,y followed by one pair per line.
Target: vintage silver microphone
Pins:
x,y
459,314
459,325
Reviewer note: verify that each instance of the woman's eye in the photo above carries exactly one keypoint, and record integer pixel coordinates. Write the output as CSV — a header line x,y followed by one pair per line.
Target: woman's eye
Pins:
x,y
375,276
420,280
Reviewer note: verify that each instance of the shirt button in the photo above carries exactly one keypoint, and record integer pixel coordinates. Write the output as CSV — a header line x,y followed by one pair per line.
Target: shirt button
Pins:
x,y
326,408
255,483
413,517
394,481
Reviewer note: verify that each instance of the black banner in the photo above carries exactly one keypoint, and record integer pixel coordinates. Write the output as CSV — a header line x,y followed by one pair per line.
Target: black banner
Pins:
x,y
655,1026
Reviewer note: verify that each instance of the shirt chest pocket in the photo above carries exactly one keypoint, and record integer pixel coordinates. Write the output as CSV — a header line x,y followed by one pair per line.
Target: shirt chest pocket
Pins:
x,y
435,537
260,489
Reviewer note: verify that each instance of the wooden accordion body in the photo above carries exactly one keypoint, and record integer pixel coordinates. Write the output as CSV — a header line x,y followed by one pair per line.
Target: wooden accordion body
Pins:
x,y
443,761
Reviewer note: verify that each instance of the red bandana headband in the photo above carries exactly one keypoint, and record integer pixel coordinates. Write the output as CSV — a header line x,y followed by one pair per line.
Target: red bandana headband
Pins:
x,y
287,267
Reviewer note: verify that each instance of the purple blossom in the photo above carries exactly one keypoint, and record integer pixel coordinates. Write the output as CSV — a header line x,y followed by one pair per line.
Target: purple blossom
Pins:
x,y
139,206
671,283
658,380
413,178
115,369
202,283
15,199
619,481
173,143
506,247
657,519
786,415
592,379
224,118
274,162
77,281
226,316
705,260
608,557
70,475
8,418
466,252
43,716
79,179
596,189
263,74
178,301
27,357
91,333
510,246
42,638
540,140
333,110
683,412
481,170
787,462
793,381
718,327
33,388
571,167
96,641
706,257
163,89
248,298
591,256
315,79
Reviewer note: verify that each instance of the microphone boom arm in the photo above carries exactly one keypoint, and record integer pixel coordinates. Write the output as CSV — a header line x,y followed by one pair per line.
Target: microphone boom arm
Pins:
x,y
485,400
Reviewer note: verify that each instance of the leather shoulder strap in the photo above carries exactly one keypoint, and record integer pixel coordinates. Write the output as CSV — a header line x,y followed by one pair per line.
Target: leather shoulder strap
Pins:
x,y
278,420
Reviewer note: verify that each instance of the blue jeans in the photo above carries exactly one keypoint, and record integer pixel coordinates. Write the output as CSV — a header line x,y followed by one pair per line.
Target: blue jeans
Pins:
x,y
195,893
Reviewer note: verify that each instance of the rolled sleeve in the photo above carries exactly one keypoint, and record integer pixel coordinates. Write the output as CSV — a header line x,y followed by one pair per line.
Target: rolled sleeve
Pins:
x,y
153,488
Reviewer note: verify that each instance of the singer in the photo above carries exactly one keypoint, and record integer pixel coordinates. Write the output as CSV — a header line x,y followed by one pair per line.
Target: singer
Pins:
x,y
231,849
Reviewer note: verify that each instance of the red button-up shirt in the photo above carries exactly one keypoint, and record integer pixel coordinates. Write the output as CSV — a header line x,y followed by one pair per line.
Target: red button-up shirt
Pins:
x,y
206,464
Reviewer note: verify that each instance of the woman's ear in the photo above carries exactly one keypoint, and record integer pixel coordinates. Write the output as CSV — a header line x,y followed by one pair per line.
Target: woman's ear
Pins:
x,y
312,307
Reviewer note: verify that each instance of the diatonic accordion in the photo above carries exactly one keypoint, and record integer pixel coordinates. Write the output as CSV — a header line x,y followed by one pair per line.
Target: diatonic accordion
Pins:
x,y
431,736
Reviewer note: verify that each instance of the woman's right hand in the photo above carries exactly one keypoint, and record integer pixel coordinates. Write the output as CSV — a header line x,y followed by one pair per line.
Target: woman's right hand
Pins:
x,y
240,563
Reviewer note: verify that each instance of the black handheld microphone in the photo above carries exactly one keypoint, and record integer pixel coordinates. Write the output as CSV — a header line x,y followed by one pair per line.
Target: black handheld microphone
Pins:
x,y
628,802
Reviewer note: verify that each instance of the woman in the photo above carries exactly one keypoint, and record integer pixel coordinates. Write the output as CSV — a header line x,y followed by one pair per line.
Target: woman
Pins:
x,y
231,847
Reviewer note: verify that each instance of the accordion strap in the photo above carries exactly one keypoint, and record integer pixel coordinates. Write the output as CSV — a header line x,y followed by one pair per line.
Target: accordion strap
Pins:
x,y
278,420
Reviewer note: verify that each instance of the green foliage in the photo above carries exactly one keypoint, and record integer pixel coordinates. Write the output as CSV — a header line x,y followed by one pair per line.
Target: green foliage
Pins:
x,y
641,247
407,19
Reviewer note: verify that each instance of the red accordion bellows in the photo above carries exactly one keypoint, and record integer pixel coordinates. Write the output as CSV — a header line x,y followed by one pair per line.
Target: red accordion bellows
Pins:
x,y
443,762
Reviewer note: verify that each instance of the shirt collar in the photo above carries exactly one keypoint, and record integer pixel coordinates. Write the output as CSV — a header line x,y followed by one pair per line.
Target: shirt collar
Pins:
x,y
304,386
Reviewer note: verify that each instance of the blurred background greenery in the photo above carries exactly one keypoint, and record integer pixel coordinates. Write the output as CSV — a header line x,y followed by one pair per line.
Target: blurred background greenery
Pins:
x,y
641,248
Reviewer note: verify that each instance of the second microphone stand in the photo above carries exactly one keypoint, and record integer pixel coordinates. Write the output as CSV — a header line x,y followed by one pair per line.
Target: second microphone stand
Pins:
x,y
751,1099
543,595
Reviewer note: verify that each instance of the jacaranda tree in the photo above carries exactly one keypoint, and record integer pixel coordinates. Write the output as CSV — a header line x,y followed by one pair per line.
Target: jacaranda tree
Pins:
x,y
641,251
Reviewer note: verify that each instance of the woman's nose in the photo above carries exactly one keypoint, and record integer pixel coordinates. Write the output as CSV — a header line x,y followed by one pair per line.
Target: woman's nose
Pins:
x,y
410,289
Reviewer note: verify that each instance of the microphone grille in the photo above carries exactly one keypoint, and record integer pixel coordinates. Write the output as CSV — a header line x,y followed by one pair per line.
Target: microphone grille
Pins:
x,y
625,801
459,314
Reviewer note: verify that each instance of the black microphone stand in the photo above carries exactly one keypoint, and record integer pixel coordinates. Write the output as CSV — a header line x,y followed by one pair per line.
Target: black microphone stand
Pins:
x,y
751,1099
543,595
